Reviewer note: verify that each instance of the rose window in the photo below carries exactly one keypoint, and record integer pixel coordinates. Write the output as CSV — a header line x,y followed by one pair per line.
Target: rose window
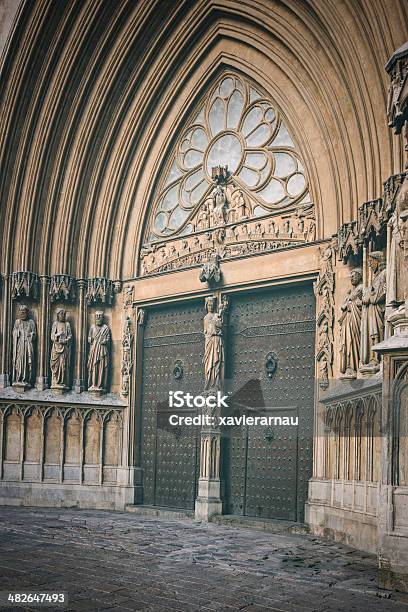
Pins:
x,y
236,127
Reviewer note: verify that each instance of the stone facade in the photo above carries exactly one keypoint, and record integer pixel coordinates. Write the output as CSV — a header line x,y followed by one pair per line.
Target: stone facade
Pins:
x,y
190,180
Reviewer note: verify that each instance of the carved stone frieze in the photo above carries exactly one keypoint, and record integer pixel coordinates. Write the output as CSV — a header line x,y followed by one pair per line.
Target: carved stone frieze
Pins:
x,y
229,240
127,361
24,284
324,291
62,287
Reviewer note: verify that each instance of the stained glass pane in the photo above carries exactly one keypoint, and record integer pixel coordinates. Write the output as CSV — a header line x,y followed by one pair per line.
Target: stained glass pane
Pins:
x,y
192,158
225,151
256,160
170,199
194,179
174,173
178,217
282,138
296,185
273,192
226,87
252,120
199,139
249,177
284,164
253,95
160,222
217,116
199,191
260,136
235,107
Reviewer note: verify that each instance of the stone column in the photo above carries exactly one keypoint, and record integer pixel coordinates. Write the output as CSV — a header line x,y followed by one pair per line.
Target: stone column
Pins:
x,y
131,451
208,502
42,381
80,365
5,332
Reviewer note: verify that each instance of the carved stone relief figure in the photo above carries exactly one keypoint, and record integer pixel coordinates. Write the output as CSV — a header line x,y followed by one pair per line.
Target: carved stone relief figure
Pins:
x,y
350,327
127,363
220,205
324,291
211,270
98,358
24,336
373,311
214,351
241,206
397,275
61,337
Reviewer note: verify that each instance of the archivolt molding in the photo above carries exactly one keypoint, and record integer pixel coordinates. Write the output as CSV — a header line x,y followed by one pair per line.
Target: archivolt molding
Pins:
x,y
86,127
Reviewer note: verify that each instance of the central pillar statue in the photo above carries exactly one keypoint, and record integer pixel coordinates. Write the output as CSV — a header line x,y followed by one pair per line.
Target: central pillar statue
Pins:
x,y
208,502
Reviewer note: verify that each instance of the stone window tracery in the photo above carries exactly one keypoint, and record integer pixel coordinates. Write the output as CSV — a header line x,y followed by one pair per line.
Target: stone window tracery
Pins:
x,y
239,127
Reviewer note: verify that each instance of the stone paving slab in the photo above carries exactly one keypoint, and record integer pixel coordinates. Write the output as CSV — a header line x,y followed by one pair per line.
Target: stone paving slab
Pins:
x,y
122,561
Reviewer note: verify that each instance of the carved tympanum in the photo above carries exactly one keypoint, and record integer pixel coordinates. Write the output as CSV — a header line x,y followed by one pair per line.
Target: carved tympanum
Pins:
x,y
99,354
24,336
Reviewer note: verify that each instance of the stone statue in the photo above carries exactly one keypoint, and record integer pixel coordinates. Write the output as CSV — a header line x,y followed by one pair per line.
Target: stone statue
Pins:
x,y
61,337
241,207
373,310
211,270
350,326
98,358
24,336
214,351
220,205
397,276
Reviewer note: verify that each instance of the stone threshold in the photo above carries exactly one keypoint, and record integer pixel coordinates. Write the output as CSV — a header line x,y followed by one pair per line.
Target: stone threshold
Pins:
x,y
159,511
263,524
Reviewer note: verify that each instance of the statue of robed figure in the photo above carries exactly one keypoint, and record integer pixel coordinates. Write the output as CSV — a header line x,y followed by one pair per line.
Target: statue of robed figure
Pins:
x,y
214,351
24,336
98,358
350,327
373,310
61,337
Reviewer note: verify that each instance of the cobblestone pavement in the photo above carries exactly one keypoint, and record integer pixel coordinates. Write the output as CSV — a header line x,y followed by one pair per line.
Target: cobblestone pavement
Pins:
x,y
119,561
